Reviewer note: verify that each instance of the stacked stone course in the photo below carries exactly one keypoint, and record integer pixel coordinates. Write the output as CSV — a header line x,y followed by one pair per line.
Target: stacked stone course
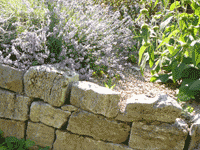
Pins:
x,y
50,106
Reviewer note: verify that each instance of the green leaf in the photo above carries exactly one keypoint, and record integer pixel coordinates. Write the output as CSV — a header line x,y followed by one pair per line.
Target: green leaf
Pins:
x,y
166,22
141,51
174,5
139,17
156,68
164,77
182,24
174,66
196,56
179,70
166,40
170,48
184,88
182,38
176,51
151,54
195,52
113,86
106,85
29,143
11,139
165,3
187,60
191,73
195,86
154,78
189,109
3,147
174,33
155,3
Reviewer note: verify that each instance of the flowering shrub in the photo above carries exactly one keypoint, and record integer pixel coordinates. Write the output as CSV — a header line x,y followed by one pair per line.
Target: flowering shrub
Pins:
x,y
79,35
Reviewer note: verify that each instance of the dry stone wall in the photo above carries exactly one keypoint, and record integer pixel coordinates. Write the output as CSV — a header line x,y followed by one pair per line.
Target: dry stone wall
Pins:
x,y
50,106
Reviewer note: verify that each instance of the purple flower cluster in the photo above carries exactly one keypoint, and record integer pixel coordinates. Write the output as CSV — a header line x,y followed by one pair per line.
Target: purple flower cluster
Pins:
x,y
78,34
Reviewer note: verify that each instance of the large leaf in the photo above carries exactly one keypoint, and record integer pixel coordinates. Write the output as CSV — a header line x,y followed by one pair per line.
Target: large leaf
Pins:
x,y
191,73
195,52
187,60
179,69
196,56
154,78
163,78
185,86
151,54
196,85
141,51
174,66
156,68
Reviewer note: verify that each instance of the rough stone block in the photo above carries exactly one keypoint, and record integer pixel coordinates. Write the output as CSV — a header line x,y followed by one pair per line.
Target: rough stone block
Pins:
x,y
22,106
162,108
48,115
12,128
158,136
194,132
40,134
97,126
49,82
14,107
7,104
75,142
66,140
11,78
94,98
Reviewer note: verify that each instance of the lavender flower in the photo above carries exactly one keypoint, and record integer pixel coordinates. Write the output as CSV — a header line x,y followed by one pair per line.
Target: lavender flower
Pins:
x,y
79,34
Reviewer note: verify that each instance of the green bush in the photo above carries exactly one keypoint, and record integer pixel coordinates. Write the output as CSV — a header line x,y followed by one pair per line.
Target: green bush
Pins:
x,y
177,43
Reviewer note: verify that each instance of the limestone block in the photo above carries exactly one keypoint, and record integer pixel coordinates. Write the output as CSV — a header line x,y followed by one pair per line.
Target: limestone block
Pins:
x,y
194,132
14,108
158,136
97,126
55,117
161,108
94,98
7,104
49,82
12,128
22,106
75,142
11,78
66,140
41,134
